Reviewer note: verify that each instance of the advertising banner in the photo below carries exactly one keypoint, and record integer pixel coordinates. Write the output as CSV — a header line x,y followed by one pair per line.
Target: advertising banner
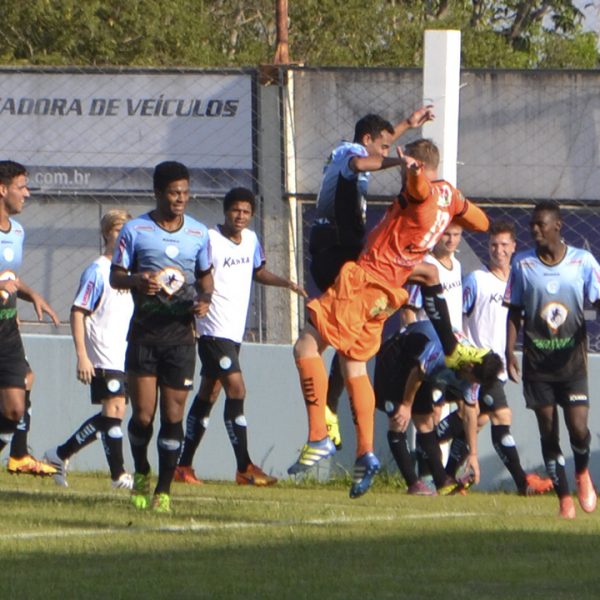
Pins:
x,y
105,132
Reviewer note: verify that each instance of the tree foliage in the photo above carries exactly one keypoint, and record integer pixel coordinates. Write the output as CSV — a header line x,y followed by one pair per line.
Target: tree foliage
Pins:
x,y
217,33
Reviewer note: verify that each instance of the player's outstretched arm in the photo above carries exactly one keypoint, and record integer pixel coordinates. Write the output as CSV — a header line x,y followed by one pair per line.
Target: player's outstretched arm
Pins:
x,y
473,219
262,275
40,305
418,118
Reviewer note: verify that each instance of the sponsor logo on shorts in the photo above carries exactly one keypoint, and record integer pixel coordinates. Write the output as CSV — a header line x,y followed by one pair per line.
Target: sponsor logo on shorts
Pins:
x,y
578,397
113,385
225,362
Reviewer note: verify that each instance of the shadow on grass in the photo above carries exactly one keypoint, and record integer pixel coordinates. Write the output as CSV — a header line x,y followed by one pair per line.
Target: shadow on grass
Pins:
x,y
379,562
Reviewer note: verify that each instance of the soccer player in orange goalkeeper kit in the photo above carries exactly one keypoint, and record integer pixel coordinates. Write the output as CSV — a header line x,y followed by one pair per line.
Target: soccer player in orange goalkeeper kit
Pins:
x,y
350,315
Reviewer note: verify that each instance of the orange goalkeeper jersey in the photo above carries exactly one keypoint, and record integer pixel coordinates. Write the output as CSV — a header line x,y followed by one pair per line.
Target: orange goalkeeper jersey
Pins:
x,y
412,225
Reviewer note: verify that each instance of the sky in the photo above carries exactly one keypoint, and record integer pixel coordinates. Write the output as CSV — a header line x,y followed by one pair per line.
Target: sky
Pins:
x,y
591,9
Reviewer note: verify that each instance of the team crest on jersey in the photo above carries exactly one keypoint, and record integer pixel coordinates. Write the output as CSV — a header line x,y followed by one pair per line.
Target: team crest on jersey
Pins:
x,y
380,306
445,195
553,286
8,254
555,314
171,280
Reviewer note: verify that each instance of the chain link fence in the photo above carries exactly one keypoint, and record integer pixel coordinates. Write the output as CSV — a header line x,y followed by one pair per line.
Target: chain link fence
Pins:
x,y
91,138
524,136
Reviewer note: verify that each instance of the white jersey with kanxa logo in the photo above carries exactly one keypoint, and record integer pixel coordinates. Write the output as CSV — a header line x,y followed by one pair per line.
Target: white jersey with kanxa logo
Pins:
x,y
451,280
485,313
233,267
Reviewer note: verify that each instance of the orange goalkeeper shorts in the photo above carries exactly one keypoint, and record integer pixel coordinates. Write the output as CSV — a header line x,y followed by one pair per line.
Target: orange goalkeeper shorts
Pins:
x,y
350,315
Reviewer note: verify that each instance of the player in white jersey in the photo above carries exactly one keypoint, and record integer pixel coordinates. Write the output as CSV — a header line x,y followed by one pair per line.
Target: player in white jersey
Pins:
x,y
547,289
450,275
450,272
237,258
100,318
485,324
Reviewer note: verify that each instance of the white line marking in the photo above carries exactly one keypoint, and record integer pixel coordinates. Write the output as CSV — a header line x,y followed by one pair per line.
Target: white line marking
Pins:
x,y
193,526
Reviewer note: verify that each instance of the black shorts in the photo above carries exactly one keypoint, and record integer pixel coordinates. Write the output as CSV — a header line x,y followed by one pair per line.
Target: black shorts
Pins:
x,y
173,366
219,356
550,393
325,265
13,365
107,384
492,398
395,360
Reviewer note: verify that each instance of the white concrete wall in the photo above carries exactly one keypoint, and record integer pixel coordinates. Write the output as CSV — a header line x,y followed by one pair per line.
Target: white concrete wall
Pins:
x,y
275,413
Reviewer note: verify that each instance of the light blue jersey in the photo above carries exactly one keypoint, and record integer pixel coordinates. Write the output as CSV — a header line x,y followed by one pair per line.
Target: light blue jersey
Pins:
x,y
11,256
341,202
178,257
552,299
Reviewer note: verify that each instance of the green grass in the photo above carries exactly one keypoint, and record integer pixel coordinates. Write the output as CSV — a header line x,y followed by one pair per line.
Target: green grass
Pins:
x,y
290,541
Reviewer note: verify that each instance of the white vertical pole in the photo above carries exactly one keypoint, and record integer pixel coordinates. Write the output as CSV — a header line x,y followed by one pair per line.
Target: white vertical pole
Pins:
x,y
441,85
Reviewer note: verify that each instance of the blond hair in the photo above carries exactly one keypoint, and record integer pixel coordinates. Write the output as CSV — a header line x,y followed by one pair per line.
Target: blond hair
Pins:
x,y
424,150
112,218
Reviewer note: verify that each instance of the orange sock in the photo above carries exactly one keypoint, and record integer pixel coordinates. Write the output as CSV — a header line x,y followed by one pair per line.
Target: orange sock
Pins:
x,y
313,380
362,401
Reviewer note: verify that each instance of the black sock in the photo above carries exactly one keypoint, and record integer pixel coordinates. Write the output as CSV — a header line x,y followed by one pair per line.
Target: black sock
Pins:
x,y
85,435
555,466
581,453
431,450
139,439
7,430
459,450
335,384
436,308
235,423
112,440
169,441
506,449
422,462
398,444
18,445
450,427
195,428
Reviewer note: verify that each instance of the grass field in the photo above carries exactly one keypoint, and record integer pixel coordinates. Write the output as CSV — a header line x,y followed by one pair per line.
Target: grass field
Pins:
x,y
290,541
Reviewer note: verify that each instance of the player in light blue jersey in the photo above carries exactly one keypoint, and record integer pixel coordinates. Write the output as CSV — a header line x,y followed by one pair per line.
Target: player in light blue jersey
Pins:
x,y
163,258
485,325
411,378
14,369
547,288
